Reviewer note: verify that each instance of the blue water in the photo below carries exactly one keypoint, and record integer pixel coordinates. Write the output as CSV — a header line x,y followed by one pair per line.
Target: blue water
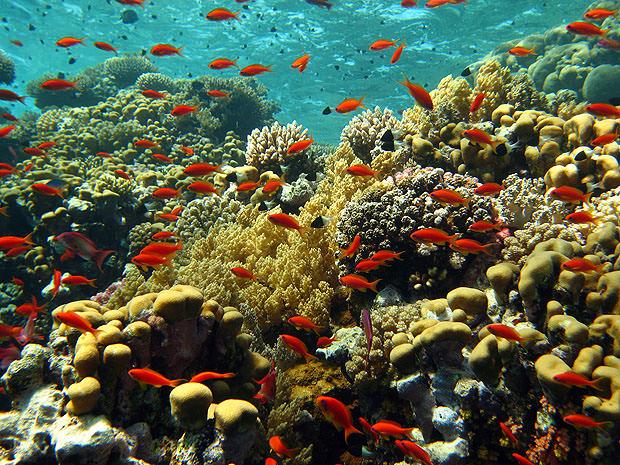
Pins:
x,y
440,41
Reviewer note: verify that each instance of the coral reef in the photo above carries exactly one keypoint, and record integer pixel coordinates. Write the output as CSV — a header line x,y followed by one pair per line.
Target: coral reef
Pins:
x,y
7,68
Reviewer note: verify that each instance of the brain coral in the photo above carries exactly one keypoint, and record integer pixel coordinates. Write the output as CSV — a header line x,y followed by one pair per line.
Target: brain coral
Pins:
x,y
365,129
7,68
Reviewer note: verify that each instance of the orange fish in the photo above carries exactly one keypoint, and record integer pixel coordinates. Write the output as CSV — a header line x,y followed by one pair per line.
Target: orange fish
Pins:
x,y
448,197
181,110
247,186
149,93
162,235
391,429
467,246
201,169
166,193
162,249
17,281
217,93
603,109
382,44
338,415
139,3
476,102
305,324
585,29
122,174
77,280
56,282
151,377
186,150
34,151
411,449
76,321
46,145
29,308
569,194
9,117
254,70
522,460
284,220
203,187
583,421
105,47
163,50
483,226
508,433
352,248
521,51
103,155
432,236
221,14
6,130
368,430
278,446
46,190
599,13
611,44
574,379
324,342
397,54
10,242
350,104
368,265
222,63
168,216
272,186
505,332
478,136
57,84
581,217
9,331
489,189
17,251
582,265
421,96
209,375
152,261
10,96
299,146
605,139
301,63
358,282
145,144
360,170
386,255
297,346
268,460
437,3
408,3
242,273
69,42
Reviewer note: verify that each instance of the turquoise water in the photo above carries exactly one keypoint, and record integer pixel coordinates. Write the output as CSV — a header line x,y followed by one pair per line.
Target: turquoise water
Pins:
x,y
439,41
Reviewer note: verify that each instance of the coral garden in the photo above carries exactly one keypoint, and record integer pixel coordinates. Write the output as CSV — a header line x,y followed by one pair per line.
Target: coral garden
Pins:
x,y
203,294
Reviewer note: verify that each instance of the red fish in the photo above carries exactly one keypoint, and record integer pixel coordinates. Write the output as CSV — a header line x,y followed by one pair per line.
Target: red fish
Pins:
x,y
149,93
350,104
397,54
203,187
325,341
603,109
168,216
267,386
164,50
105,47
411,449
181,110
611,44
522,460
483,226
489,189
338,415
297,346
574,379
352,248
151,377
599,13
166,193
569,194
358,282
477,102
421,96
278,446
581,217
582,265
10,96
46,190
162,249
9,331
448,197
46,145
69,42
286,221
472,246
186,150
209,375
242,273
80,245
437,3
8,355
28,308
305,324
301,63
432,236
600,141
585,29
10,242
480,137
583,421
382,44
161,157
367,265
506,332
255,70
391,429
360,170
299,146
76,321
9,117
521,51
77,280
122,174
272,186
145,144
508,433
150,261
139,3
103,155
385,255
34,151
222,63
162,235
368,429
201,169
6,130
217,93
17,251
57,84
56,282
18,282
408,3
221,14
247,186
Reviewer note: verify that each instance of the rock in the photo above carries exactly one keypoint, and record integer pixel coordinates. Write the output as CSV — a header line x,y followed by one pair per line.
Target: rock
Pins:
x,y
601,79
28,372
339,351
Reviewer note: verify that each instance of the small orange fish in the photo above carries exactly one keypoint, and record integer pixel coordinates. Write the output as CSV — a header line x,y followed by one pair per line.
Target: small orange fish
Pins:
x,y
203,187
46,190
242,273
382,44
421,96
480,137
411,449
585,29
9,331
522,460
46,145
254,70
324,342
301,63
6,130
338,414
278,446
186,150
483,226
489,189
209,375
599,13
168,217
360,170
166,193
17,251
581,217
69,42
217,93
367,265
122,174
358,282
145,144
10,242
352,248
505,332
583,421
162,249
77,280
368,430
574,379
272,186
448,197
76,321
181,110
438,3
569,194
397,54
151,377
247,186
305,324
432,236
509,434
201,169
56,278
161,235
284,220
467,246
103,155
350,104
299,146
222,63
391,429
221,14
521,51
18,282
582,265
34,151
163,50
9,117
10,96
297,346
477,102
605,139
153,94
603,109
139,3
57,84
29,308
105,47
386,255
408,3
150,261
611,44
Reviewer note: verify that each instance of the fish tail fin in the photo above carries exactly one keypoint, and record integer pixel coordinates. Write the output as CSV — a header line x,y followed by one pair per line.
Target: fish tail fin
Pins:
x,y
22,99
362,101
28,239
605,424
176,382
308,356
486,249
318,330
91,282
373,285
597,384
452,238
100,256
179,52
586,198
349,430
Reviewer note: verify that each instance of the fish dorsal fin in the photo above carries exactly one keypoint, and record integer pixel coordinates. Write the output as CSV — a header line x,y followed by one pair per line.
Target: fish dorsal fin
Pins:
x,y
390,422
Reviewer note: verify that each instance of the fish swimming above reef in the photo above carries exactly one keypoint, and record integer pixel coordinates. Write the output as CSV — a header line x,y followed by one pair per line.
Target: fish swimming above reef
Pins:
x,y
75,243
